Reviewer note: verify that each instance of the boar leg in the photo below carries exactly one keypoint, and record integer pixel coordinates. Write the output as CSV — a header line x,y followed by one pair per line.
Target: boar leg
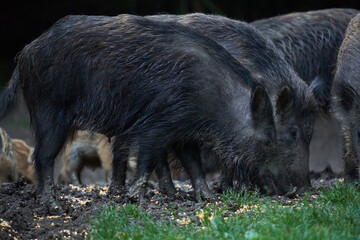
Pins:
x,y
191,159
350,155
51,135
120,157
147,160
164,176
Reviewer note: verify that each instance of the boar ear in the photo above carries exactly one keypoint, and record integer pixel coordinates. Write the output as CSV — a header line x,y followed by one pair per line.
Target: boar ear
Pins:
x,y
261,108
284,101
347,96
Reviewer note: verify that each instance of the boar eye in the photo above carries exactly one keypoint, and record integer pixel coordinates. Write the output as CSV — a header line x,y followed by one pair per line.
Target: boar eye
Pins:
x,y
294,133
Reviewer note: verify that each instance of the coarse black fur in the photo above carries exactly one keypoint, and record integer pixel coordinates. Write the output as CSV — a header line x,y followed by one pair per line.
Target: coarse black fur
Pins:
x,y
159,85
346,98
293,102
310,42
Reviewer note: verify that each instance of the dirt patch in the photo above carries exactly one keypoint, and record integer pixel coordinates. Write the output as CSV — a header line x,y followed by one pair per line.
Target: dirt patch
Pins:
x,y
21,217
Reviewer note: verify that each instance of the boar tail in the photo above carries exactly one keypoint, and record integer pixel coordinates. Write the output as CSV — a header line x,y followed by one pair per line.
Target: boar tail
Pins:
x,y
8,98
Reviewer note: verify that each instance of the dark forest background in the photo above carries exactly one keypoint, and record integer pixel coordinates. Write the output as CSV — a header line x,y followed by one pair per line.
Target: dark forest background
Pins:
x,y
21,21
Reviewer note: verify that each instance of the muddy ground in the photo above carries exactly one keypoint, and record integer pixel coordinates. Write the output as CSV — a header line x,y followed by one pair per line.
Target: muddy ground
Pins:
x,y
21,217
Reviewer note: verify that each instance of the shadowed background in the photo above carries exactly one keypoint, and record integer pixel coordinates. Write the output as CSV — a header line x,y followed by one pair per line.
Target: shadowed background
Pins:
x,y
21,21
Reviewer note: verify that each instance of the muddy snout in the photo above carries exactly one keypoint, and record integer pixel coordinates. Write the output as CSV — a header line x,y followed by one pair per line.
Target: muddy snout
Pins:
x,y
279,184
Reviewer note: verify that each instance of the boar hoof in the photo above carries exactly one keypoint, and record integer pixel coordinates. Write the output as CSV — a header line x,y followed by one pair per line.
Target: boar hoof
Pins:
x,y
202,190
168,189
48,204
137,190
47,197
204,194
116,190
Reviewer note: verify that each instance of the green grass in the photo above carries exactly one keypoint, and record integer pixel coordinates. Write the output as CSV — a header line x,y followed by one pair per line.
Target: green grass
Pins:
x,y
333,214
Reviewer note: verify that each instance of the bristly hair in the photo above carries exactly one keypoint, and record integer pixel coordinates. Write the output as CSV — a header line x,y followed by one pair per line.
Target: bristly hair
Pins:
x,y
259,55
310,42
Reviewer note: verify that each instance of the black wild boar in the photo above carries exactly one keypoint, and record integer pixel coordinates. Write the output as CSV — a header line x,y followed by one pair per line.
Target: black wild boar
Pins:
x,y
310,42
293,102
159,85
346,97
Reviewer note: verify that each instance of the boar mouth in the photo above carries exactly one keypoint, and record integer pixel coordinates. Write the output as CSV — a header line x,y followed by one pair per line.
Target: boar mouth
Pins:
x,y
290,194
269,188
275,190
